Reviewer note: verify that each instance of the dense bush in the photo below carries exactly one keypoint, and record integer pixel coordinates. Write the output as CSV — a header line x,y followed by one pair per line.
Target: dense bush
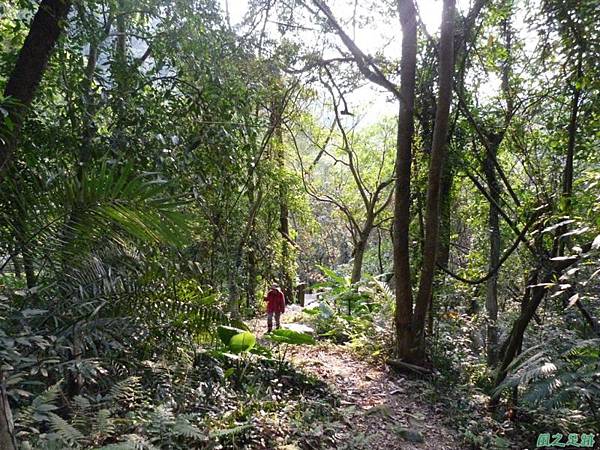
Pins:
x,y
358,314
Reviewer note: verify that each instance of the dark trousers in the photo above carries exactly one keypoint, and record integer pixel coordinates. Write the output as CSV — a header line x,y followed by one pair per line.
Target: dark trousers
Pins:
x,y
270,320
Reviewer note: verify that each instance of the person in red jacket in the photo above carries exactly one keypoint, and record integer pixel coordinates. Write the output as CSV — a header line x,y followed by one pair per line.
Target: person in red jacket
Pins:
x,y
275,306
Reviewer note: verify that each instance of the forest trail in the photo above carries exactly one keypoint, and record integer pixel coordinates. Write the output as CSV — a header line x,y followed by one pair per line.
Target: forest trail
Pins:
x,y
378,409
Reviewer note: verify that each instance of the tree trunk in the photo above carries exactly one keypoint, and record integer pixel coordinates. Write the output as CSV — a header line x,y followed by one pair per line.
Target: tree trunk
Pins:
x,y
24,244
284,227
89,110
567,181
251,253
591,321
284,224
443,251
120,75
251,282
408,62
529,306
379,252
515,338
361,245
567,178
32,60
233,286
7,432
30,277
18,268
494,141
438,156
491,298
359,253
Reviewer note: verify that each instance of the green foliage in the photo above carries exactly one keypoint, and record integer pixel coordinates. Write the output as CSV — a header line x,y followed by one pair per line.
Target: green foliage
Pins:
x,y
356,313
563,373
158,407
242,342
123,205
292,337
226,333
165,148
235,339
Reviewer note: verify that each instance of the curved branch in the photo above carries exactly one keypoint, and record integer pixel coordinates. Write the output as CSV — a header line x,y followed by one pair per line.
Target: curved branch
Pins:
x,y
365,64
311,191
507,253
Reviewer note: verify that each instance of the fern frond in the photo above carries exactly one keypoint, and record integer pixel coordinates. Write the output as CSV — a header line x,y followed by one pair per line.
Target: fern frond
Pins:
x,y
104,424
64,431
47,397
131,442
125,391
183,427
555,376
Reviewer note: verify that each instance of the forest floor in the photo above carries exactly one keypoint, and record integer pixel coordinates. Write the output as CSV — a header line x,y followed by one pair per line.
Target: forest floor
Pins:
x,y
378,408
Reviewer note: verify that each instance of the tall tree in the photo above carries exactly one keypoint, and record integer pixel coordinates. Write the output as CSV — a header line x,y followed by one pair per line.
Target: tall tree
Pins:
x,y
357,184
45,30
494,140
402,279
439,150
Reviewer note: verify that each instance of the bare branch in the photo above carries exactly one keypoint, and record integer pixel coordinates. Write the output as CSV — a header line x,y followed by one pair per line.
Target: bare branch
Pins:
x,y
365,64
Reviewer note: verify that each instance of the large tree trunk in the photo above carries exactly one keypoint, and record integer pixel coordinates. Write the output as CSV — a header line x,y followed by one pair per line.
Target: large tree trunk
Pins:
x,y
438,156
408,62
32,60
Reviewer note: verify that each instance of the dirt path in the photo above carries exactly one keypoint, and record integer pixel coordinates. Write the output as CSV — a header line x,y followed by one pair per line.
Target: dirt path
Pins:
x,y
380,410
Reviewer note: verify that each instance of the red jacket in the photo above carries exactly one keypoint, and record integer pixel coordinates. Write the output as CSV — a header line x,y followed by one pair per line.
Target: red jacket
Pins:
x,y
275,301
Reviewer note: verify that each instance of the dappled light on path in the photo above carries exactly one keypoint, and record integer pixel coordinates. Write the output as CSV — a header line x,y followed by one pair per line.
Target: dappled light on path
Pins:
x,y
378,409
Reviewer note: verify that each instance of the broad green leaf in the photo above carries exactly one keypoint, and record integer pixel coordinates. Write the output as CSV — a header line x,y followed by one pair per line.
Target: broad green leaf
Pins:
x,y
242,342
226,333
286,336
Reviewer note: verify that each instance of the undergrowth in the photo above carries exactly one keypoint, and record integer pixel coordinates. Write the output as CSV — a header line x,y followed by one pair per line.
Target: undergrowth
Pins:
x,y
212,401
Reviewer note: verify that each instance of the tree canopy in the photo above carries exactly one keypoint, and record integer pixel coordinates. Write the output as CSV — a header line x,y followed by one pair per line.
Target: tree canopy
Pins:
x,y
420,179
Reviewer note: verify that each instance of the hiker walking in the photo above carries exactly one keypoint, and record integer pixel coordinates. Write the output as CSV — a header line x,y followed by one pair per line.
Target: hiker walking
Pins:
x,y
275,306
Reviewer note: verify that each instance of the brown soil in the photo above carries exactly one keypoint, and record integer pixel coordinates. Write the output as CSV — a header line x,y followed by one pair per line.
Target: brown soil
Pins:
x,y
379,409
